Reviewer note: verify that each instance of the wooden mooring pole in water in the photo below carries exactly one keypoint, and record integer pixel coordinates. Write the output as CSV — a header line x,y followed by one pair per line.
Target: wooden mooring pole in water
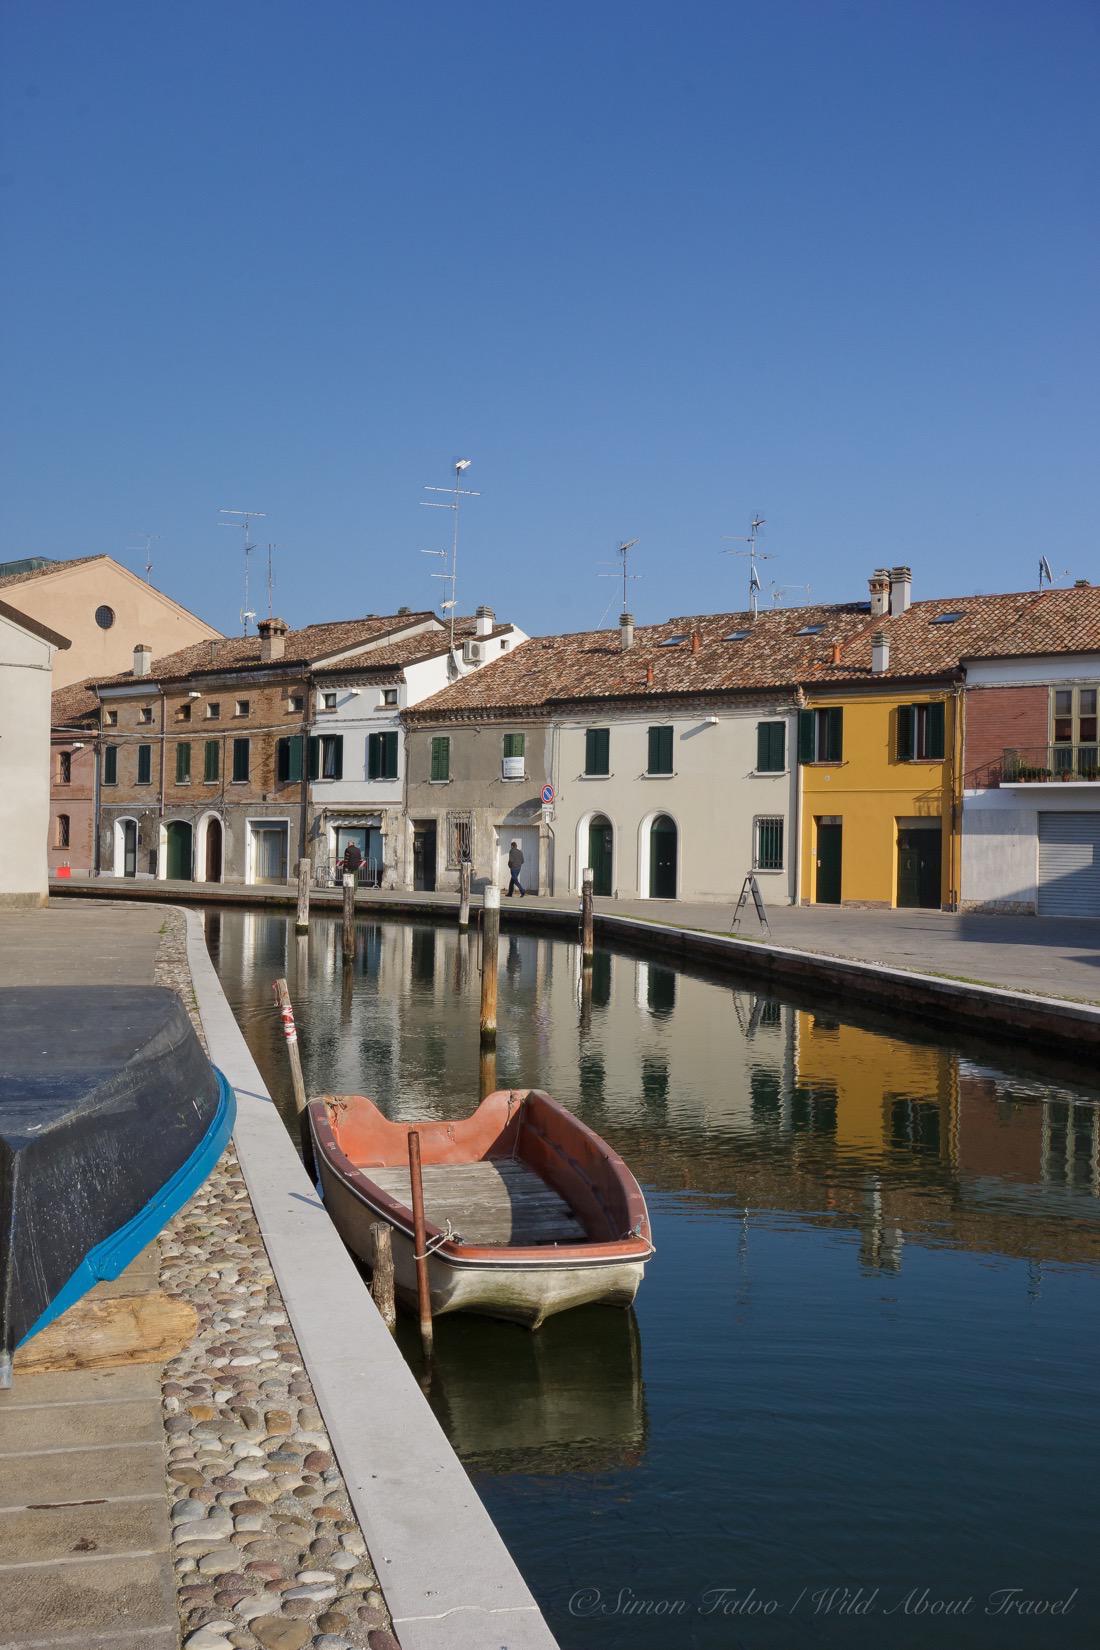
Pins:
x,y
465,876
490,958
588,941
349,915
420,1244
381,1273
297,1081
301,921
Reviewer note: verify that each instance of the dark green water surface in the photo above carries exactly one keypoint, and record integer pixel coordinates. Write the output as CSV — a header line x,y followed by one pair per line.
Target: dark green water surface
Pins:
x,y
856,1402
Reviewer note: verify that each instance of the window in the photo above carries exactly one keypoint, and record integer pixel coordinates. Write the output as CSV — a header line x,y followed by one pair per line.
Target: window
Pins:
x,y
672,641
515,744
736,636
62,838
242,708
110,718
767,842
213,710
104,617
328,701
389,696
64,767
145,765
660,750
288,759
946,618
597,751
295,704
183,764
441,759
810,630
771,747
329,758
459,829
183,713
1073,716
382,756
240,760
211,761
110,764
145,714
821,735
920,732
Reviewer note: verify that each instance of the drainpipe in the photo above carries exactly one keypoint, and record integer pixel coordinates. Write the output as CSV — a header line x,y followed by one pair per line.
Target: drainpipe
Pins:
x,y
797,813
307,722
163,760
97,749
954,891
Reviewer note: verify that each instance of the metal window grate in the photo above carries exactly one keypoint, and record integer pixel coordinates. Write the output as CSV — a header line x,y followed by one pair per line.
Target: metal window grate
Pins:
x,y
768,843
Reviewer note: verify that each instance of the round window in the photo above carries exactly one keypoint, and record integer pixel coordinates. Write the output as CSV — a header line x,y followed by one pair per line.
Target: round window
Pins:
x,y
104,617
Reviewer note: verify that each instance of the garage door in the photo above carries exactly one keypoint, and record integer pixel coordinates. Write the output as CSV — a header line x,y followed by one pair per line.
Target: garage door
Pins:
x,y
1069,865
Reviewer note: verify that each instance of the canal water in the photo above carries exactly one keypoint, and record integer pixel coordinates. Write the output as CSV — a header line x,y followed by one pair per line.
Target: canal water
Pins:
x,y
856,1402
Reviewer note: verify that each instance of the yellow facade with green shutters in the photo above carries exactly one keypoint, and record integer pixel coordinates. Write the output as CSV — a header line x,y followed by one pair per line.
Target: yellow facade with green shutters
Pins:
x,y
877,786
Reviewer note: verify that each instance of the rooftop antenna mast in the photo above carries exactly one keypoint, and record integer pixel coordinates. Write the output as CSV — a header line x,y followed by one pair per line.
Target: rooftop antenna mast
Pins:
x,y
247,517
147,547
270,580
781,590
623,552
754,555
458,493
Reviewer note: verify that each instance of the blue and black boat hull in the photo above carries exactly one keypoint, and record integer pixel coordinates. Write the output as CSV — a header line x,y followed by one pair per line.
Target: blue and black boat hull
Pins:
x,y
110,1117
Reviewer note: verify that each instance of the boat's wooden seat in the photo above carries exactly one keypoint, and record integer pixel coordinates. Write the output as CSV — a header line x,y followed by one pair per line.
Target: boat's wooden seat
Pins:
x,y
499,1201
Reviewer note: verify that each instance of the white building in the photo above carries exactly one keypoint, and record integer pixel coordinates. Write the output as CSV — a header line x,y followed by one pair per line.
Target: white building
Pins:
x,y
27,649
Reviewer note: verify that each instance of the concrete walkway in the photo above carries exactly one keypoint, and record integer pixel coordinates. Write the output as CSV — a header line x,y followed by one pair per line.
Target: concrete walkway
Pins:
x,y
84,1539
1050,956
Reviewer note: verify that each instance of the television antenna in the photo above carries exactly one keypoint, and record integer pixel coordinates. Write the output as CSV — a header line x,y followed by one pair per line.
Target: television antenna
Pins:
x,y
247,517
149,539
270,580
754,555
780,590
458,493
623,552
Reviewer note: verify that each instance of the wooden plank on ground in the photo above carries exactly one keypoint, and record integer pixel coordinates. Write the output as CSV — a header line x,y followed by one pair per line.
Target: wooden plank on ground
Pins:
x,y
100,1332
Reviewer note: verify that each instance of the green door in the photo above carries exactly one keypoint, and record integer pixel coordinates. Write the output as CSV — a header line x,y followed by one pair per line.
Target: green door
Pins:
x,y
601,840
179,851
920,863
827,891
662,858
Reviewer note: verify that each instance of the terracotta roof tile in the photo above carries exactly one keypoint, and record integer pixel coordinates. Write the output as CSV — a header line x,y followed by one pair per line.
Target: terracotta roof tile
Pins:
x,y
75,704
408,650
51,567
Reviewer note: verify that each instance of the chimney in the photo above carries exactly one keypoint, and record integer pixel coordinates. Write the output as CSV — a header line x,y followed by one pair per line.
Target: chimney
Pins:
x,y
695,641
485,621
879,584
880,653
626,631
143,659
649,675
901,589
272,639
836,653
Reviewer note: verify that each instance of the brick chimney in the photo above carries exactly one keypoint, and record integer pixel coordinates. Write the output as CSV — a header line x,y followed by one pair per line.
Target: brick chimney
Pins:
x,y
626,631
696,640
880,653
901,589
879,584
143,659
485,621
272,639
649,675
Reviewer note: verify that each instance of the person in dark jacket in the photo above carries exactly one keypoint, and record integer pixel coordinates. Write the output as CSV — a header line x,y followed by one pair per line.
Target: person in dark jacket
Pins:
x,y
515,866
352,859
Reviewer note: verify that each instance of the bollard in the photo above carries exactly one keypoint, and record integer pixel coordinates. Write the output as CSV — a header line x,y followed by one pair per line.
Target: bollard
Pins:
x,y
301,922
588,943
487,1073
420,1244
349,915
381,1273
465,877
293,1053
490,949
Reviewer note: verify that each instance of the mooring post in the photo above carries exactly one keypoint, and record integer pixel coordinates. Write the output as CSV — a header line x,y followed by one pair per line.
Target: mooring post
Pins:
x,y
588,942
294,1056
301,922
420,1241
490,957
487,1073
381,1273
586,995
349,915
465,876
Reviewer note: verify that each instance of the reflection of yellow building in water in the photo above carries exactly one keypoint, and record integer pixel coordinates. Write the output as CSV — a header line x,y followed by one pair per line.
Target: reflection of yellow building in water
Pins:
x,y
889,1095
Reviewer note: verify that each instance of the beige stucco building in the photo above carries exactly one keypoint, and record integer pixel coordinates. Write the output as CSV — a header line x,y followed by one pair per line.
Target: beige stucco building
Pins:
x,y
103,609
27,650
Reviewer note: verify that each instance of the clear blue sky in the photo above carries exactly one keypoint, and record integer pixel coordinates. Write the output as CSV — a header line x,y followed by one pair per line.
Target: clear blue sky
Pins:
x,y
652,267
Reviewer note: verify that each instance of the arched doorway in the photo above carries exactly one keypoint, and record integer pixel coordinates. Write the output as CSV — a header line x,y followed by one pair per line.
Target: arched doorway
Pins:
x,y
601,847
663,852
178,850
213,857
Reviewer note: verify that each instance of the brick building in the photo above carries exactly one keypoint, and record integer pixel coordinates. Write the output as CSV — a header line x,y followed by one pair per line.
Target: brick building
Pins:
x,y
74,735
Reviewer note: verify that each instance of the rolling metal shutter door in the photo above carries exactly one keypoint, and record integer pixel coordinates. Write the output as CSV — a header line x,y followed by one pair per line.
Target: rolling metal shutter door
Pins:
x,y
1069,865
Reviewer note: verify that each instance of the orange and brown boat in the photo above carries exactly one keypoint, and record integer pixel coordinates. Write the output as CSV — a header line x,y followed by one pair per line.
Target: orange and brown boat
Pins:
x,y
528,1211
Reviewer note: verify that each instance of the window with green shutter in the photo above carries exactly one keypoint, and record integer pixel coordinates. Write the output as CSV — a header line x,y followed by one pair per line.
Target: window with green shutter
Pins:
x,y
935,720
441,759
920,732
767,844
110,764
240,760
597,751
905,732
332,755
382,756
145,765
821,735
183,764
288,758
771,747
515,744
211,761
660,750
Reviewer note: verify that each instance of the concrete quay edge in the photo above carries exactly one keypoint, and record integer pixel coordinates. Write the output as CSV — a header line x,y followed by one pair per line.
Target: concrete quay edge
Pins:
x,y
447,1577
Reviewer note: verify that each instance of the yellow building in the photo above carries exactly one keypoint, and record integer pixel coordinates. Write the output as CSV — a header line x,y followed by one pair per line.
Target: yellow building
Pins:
x,y
877,797
889,1095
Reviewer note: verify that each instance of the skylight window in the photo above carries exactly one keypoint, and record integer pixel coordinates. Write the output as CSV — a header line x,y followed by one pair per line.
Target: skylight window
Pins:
x,y
946,618
810,630
673,641
736,636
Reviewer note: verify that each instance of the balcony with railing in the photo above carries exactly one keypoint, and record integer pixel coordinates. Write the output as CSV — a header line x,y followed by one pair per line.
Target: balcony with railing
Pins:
x,y
1040,765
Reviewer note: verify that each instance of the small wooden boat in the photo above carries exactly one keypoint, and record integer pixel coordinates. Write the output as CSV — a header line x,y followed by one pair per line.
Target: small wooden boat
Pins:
x,y
111,1116
528,1211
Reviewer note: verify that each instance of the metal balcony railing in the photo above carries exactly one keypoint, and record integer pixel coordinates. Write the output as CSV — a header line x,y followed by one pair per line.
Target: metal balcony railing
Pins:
x,y
1040,765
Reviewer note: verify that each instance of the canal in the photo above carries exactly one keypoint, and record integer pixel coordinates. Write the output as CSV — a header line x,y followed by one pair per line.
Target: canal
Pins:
x,y
855,1403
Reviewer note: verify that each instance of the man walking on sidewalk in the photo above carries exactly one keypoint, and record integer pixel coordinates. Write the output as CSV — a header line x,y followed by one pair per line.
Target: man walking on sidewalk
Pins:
x,y
515,866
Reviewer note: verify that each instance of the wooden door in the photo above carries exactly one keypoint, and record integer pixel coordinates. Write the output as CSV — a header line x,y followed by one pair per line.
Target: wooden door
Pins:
x,y
601,845
214,850
424,857
920,864
829,847
129,848
663,848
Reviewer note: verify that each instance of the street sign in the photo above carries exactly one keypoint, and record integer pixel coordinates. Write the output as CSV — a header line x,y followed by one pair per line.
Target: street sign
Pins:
x,y
547,814
548,796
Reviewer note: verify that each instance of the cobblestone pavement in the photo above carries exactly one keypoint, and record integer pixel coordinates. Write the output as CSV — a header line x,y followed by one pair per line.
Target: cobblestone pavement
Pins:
x,y
267,1548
